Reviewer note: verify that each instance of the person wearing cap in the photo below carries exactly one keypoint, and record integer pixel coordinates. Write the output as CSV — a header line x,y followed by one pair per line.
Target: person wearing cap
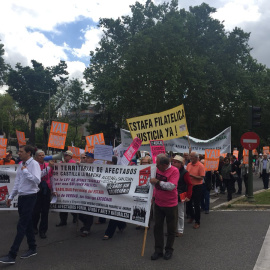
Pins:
x,y
87,220
42,206
64,215
166,203
68,157
7,160
184,186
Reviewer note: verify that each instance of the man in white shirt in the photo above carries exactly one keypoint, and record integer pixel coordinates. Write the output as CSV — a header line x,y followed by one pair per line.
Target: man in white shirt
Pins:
x,y
26,187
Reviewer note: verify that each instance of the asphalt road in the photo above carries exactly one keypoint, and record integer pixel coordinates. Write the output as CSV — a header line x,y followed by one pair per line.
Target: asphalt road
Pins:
x,y
226,240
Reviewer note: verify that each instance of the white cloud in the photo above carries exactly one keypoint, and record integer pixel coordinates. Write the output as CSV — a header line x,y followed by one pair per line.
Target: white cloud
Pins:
x,y
24,19
75,69
92,37
233,13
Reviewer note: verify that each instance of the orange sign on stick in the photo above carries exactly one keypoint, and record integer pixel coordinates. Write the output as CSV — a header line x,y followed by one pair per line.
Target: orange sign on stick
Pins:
x,y
266,150
58,135
245,156
211,161
92,140
3,147
20,138
76,153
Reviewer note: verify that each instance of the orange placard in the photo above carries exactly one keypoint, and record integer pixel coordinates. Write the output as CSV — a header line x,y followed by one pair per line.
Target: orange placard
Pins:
x,y
211,161
76,153
3,147
92,140
235,153
245,156
20,138
266,150
58,135
254,152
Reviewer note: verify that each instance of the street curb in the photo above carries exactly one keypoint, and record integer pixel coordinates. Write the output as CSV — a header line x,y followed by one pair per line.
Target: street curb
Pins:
x,y
241,206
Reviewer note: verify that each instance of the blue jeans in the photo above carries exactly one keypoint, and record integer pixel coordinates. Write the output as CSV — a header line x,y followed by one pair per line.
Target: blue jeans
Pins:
x,y
205,198
24,227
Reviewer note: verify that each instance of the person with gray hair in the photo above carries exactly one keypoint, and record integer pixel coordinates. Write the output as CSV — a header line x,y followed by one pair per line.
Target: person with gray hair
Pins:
x,y
166,201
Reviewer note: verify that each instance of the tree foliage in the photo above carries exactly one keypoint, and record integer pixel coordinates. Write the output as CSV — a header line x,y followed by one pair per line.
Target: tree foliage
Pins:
x,y
160,57
74,105
3,66
23,83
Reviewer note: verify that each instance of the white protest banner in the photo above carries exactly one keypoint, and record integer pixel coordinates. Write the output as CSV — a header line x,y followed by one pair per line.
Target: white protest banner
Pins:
x,y
131,151
157,147
7,179
111,191
221,142
103,152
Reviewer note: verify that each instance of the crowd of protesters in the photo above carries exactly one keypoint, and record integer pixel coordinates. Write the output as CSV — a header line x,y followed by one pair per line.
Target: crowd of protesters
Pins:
x,y
181,186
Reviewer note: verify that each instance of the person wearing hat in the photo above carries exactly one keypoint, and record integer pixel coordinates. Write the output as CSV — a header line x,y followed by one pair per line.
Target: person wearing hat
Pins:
x,y
184,186
7,160
64,215
68,157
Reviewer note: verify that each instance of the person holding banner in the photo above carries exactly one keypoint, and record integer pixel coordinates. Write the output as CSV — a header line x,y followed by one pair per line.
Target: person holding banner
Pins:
x,y
166,202
26,186
64,215
184,188
7,160
42,206
197,172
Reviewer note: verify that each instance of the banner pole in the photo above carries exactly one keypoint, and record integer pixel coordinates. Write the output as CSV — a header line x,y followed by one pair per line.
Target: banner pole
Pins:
x,y
144,240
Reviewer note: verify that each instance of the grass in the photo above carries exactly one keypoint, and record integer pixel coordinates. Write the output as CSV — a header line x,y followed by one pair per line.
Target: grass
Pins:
x,y
259,198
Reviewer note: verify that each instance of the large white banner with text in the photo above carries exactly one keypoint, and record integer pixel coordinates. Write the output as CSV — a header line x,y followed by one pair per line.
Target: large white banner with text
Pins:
x,y
111,191
221,142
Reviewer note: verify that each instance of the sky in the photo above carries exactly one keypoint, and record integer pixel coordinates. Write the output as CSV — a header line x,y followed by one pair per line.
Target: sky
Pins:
x,y
50,31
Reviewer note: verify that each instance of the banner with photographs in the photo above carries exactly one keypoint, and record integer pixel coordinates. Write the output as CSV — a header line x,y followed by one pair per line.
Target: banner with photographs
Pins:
x,y
7,179
116,192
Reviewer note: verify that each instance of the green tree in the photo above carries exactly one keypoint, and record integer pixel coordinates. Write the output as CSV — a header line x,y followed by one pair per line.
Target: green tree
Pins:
x,y
74,104
160,57
26,83
3,66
